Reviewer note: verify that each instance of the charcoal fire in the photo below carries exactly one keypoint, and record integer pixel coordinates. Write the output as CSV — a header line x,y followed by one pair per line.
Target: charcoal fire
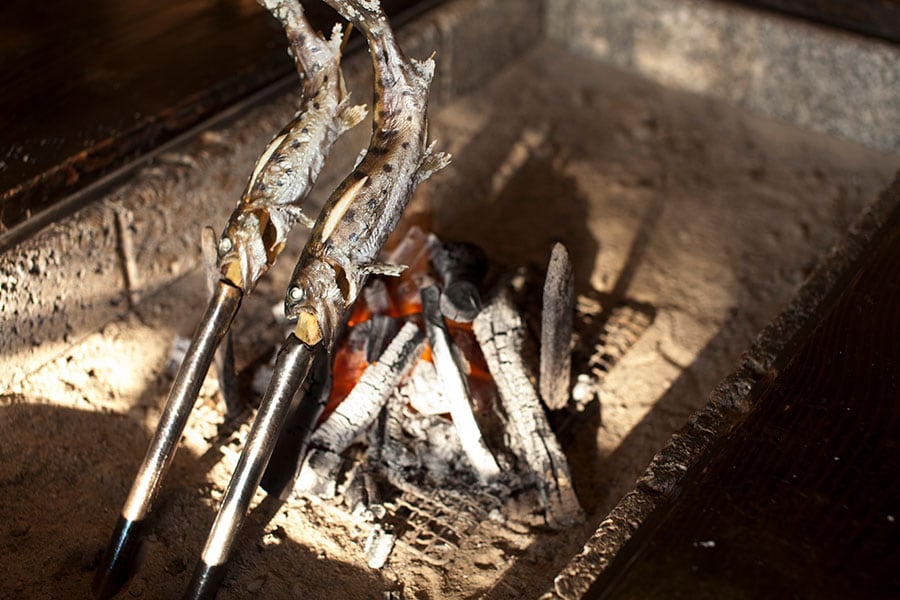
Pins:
x,y
448,409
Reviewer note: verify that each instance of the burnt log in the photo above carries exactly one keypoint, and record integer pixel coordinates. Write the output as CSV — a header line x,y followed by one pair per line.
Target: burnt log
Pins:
x,y
454,388
500,332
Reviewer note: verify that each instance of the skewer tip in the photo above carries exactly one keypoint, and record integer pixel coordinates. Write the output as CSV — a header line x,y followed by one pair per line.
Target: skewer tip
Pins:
x,y
118,561
205,581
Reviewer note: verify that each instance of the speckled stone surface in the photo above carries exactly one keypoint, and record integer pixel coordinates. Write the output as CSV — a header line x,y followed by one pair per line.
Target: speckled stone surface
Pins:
x,y
816,77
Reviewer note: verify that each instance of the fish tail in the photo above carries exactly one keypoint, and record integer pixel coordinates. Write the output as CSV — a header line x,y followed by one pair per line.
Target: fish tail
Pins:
x,y
311,52
390,62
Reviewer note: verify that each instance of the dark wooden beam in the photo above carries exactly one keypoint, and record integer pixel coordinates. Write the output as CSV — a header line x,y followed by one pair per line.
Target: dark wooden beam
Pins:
x,y
86,87
878,18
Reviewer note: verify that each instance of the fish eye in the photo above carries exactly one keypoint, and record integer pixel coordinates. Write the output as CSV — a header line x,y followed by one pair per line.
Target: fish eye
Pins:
x,y
296,294
225,245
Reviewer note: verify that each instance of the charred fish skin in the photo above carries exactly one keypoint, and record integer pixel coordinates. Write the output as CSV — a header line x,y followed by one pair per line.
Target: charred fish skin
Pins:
x,y
285,173
363,211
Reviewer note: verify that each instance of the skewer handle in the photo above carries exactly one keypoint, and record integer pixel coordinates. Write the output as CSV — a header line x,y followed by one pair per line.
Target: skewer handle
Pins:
x,y
118,561
291,369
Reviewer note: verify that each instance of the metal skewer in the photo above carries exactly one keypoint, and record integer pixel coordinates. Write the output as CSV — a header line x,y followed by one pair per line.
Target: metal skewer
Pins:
x,y
117,563
291,368
270,206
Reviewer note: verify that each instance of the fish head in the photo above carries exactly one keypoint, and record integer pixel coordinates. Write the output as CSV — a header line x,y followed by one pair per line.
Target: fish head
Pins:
x,y
315,300
248,247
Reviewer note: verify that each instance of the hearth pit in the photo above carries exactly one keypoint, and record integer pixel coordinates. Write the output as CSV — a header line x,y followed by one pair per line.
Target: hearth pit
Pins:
x,y
434,421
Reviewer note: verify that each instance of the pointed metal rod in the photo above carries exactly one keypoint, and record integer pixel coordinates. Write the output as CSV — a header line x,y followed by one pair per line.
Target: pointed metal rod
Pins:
x,y
291,368
306,408
117,563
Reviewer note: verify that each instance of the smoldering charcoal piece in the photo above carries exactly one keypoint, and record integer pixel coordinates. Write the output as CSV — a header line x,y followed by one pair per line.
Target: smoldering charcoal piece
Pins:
x,y
358,410
376,296
377,332
556,329
462,266
500,332
454,388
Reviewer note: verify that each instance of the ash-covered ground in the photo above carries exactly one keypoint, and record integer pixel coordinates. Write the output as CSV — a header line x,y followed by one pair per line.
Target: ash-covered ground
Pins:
x,y
708,215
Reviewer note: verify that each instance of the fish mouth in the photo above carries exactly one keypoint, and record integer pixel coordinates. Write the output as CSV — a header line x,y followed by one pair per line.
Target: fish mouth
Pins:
x,y
308,330
244,265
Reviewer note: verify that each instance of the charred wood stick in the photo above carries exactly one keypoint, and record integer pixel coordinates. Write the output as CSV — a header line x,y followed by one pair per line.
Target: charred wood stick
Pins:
x,y
454,388
500,332
358,411
227,376
556,329
377,333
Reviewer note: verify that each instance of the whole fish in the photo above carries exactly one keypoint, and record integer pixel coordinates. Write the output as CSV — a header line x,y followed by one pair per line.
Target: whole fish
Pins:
x,y
274,198
363,211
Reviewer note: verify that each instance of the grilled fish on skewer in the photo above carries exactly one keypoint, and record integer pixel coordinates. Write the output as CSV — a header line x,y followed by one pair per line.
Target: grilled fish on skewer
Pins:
x,y
341,252
287,170
252,240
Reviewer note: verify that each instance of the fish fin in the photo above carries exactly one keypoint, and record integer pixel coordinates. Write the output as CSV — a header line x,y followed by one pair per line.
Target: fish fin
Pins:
x,y
306,221
424,69
355,275
385,269
351,116
431,163
360,157
298,216
336,41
